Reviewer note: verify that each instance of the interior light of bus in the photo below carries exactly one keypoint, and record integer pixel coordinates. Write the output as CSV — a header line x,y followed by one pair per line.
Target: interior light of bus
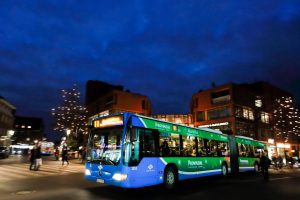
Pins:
x,y
119,177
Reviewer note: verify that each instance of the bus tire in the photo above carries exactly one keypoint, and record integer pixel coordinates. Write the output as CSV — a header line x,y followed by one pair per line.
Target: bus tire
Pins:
x,y
170,177
256,167
224,169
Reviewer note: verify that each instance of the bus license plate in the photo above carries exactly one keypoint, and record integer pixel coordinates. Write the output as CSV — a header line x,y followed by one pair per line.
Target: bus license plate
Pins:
x,y
100,181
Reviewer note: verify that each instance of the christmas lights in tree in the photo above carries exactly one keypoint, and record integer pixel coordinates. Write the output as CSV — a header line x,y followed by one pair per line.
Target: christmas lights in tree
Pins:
x,y
70,116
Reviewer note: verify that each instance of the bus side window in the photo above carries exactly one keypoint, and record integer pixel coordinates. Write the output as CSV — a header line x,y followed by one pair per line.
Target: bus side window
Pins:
x,y
201,147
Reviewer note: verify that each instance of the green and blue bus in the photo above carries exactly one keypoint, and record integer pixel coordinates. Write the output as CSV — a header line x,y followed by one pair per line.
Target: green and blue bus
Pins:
x,y
131,151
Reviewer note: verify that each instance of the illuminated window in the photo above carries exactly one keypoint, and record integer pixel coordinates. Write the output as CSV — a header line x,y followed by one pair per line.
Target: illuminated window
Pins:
x,y
265,117
248,113
258,103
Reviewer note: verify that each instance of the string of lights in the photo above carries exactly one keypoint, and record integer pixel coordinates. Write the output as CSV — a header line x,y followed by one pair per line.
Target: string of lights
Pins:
x,y
70,115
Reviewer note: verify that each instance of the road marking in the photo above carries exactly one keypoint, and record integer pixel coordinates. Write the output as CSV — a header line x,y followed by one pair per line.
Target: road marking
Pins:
x,y
21,171
274,179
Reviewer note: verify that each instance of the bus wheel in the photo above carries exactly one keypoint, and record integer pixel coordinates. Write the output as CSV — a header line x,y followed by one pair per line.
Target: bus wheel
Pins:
x,y
224,169
170,177
256,168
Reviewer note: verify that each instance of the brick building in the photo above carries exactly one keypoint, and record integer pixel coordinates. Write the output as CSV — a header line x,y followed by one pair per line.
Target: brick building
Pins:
x,y
239,109
103,98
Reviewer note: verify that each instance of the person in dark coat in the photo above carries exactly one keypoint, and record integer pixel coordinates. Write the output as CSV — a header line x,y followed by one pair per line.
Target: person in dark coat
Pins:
x,y
264,166
32,159
64,156
38,158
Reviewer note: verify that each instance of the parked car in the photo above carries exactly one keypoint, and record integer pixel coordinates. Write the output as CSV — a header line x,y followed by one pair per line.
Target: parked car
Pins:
x,y
4,152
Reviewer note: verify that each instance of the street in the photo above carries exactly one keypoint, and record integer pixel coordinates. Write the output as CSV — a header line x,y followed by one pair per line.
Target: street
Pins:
x,y
67,182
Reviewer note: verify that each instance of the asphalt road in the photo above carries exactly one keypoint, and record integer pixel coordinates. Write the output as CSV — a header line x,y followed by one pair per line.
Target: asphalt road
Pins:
x,y
283,184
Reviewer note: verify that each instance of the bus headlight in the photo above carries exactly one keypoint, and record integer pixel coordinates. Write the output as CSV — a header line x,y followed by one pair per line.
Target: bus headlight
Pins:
x,y
119,177
87,172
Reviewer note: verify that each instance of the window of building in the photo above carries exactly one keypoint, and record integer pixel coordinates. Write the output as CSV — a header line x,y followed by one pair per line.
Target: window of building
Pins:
x,y
248,113
221,96
219,113
200,116
265,117
258,103
238,112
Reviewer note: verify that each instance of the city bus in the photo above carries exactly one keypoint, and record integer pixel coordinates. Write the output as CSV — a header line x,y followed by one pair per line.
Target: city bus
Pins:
x,y
131,151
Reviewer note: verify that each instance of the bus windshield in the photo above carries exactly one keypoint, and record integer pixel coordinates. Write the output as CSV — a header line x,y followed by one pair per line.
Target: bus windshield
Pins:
x,y
104,146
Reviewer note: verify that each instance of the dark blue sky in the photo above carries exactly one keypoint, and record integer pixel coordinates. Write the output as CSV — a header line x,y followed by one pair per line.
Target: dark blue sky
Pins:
x,y
167,50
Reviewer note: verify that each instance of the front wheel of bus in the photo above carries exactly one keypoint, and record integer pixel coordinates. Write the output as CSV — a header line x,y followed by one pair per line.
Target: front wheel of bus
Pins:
x,y
170,177
224,169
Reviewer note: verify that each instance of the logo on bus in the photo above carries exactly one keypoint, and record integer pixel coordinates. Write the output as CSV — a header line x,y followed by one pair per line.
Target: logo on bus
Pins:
x,y
194,164
150,168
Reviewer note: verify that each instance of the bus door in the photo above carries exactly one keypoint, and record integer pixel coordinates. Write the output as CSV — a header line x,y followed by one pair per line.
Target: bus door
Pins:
x,y
141,154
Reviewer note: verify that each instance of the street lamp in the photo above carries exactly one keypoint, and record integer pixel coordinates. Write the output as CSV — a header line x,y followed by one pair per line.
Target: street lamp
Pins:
x,y
68,131
10,133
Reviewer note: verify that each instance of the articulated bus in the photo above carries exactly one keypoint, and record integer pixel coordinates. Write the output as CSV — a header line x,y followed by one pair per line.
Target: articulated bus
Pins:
x,y
131,151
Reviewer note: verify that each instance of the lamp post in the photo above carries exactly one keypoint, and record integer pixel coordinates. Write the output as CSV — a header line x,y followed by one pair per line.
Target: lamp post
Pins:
x,y
68,132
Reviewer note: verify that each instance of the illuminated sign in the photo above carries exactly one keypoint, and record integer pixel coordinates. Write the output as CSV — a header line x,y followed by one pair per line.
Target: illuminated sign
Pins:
x,y
281,145
110,121
216,124
271,141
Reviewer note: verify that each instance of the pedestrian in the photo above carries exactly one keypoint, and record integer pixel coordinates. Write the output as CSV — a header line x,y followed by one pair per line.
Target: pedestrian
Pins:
x,y
83,155
264,166
38,157
64,156
32,158
56,153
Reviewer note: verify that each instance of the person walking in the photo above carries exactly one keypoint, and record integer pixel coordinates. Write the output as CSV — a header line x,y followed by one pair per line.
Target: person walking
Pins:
x,y
83,155
32,159
264,166
64,156
38,158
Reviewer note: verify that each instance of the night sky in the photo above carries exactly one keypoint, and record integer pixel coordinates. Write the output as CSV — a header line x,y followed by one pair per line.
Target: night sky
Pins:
x,y
165,49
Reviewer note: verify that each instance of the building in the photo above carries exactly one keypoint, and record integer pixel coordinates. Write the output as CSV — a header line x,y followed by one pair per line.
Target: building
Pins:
x,y
184,119
239,109
7,116
103,99
28,130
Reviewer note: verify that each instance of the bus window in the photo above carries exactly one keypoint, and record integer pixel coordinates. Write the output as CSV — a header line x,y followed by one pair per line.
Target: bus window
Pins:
x,y
212,148
164,140
139,143
148,148
245,150
189,146
201,147
257,151
174,143
131,148
223,149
